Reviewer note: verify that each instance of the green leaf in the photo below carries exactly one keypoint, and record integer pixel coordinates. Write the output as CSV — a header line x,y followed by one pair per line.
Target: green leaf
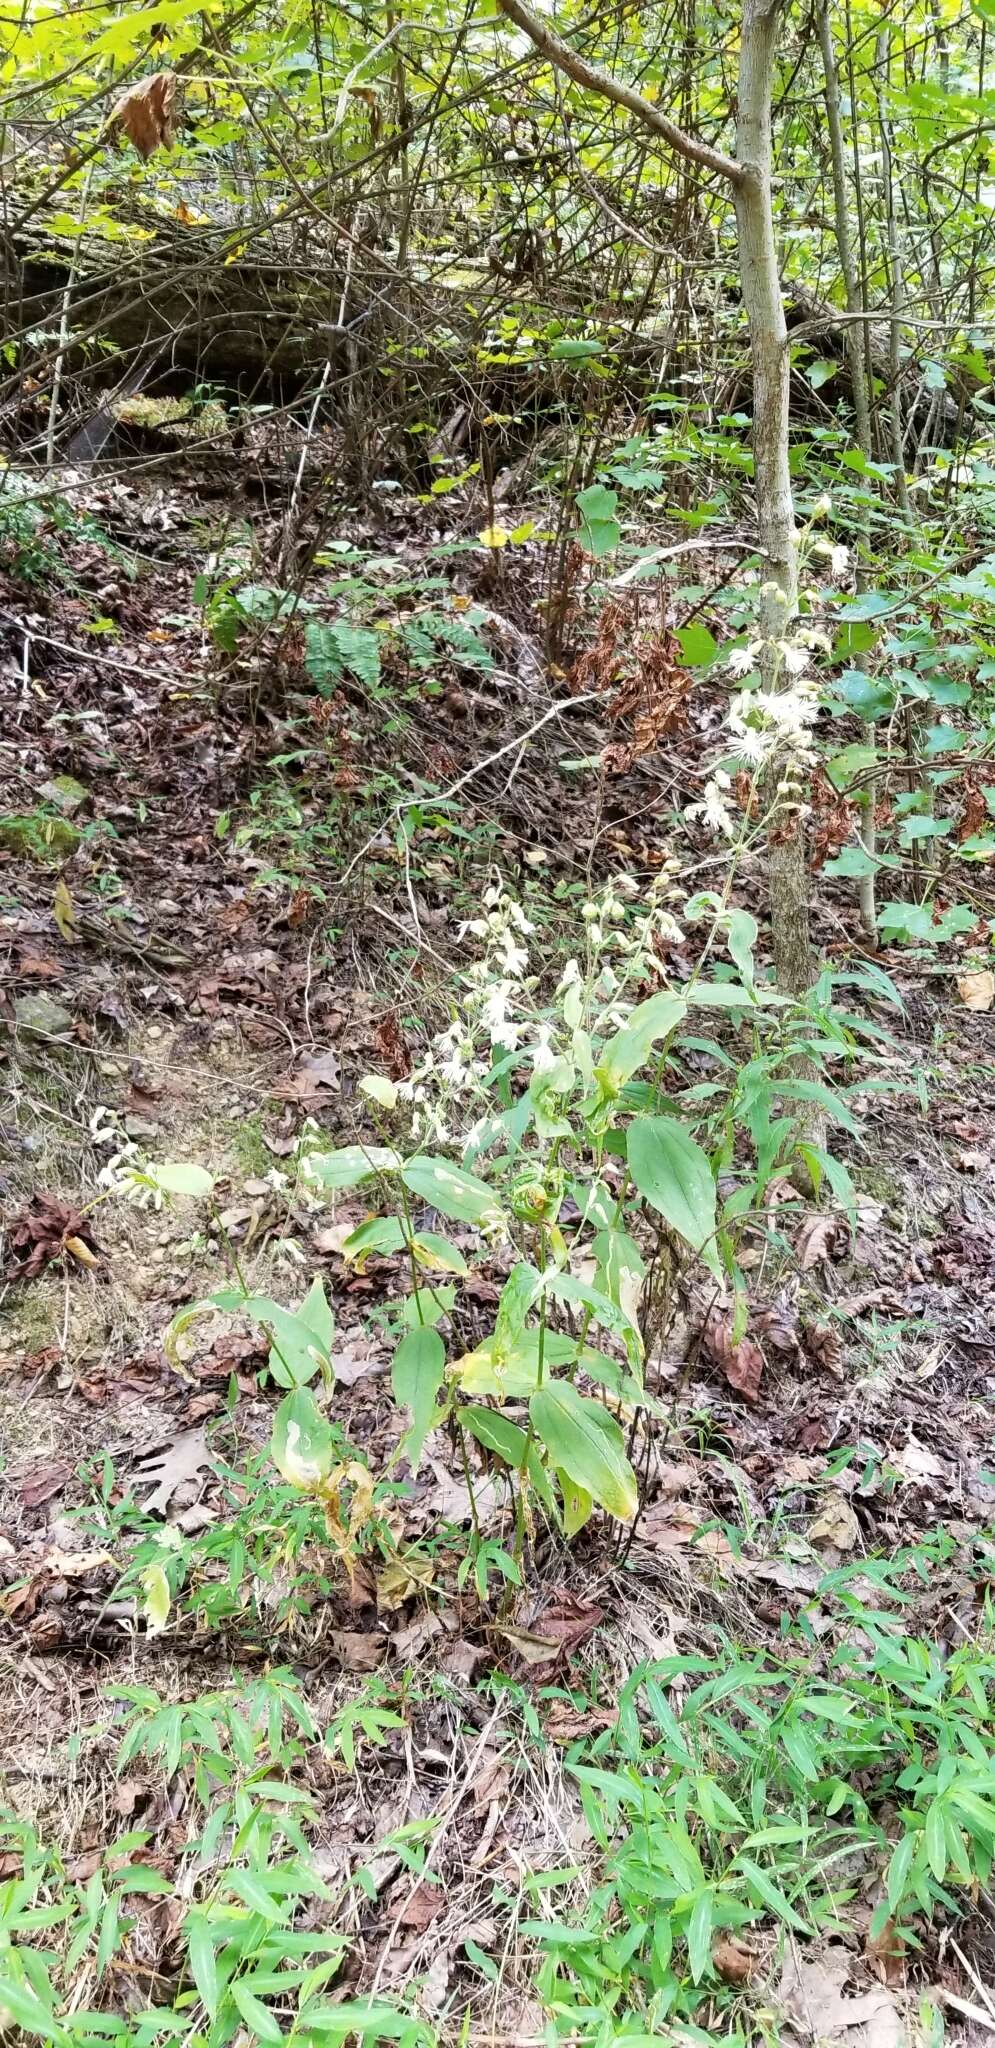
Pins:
x,y
600,531
255,2014
499,1434
179,1177
700,1935
452,1190
672,1173
436,1253
587,1444
379,1234
768,1891
578,1505
202,1959
302,1445
27,2011
417,1373
697,645
156,1598
936,1840
630,1048
567,351
350,1165
819,373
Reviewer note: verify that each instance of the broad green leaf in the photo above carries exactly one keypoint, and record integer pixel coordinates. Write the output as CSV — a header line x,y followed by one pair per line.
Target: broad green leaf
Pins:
x,y
302,1445
436,1254
697,645
417,1373
519,1294
379,1235
350,1165
630,1048
450,1188
599,533
587,1444
578,1505
180,1177
570,1287
499,1434
672,1173
511,1370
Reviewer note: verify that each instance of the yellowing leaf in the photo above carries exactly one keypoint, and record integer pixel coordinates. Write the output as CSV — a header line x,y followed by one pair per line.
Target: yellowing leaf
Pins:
x,y
977,991
156,1599
494,537
64,912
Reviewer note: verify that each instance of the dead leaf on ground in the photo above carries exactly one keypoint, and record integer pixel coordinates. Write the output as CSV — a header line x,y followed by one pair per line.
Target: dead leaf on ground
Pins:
x,y
169,1466
811,1990
837,1524
560,1629
734,1963
401,1578
742,1362
819,1238
915,1462
885,1952
824,1345
316,1078
357,1649
146,113
564,1722
977,991
43,1485
419,1908
493,1780
44,1230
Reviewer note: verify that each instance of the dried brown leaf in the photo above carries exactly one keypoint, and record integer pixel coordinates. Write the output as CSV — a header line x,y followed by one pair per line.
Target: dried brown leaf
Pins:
x,y
146,114
733,1963
836,1525
742,1362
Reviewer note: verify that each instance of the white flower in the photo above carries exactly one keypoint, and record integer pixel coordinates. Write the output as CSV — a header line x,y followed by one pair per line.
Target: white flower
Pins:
x,y
713,809
839,562
570,978
795,658
740,660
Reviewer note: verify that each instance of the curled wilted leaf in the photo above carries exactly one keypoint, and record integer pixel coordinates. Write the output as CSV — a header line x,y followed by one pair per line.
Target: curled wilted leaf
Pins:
x,y
146,113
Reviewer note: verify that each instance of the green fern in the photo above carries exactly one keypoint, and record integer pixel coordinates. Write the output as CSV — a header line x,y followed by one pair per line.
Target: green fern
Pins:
x,y
332,651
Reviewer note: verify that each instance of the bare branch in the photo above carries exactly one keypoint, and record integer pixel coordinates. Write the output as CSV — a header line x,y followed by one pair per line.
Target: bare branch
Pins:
x,y
550,45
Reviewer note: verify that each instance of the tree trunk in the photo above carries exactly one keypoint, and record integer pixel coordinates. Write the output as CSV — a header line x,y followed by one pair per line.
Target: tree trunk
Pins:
x,y
787,865
855,346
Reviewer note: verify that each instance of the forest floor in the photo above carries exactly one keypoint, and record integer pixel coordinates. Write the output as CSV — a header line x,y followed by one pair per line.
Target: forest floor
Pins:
x,y
187,972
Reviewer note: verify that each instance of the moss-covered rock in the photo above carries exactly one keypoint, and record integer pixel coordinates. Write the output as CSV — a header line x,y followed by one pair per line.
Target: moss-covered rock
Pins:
x,y
46,839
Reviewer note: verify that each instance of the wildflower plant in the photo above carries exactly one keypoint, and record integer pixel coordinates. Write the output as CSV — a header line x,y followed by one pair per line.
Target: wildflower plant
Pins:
x,y
548,1127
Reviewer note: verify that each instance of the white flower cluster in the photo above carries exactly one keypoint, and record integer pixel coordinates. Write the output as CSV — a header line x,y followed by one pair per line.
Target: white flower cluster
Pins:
x,y
125,1160
498,1014
770,723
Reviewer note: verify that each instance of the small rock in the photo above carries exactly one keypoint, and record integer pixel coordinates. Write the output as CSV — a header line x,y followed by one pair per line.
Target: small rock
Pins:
x,y
40,1016
140,1127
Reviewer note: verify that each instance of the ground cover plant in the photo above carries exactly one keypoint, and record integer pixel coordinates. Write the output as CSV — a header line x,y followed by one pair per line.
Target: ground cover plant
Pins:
x,y
496,622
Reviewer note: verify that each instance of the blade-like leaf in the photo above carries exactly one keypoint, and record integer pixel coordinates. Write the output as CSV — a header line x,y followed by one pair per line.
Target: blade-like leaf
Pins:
x,y
672,1173
587,1444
